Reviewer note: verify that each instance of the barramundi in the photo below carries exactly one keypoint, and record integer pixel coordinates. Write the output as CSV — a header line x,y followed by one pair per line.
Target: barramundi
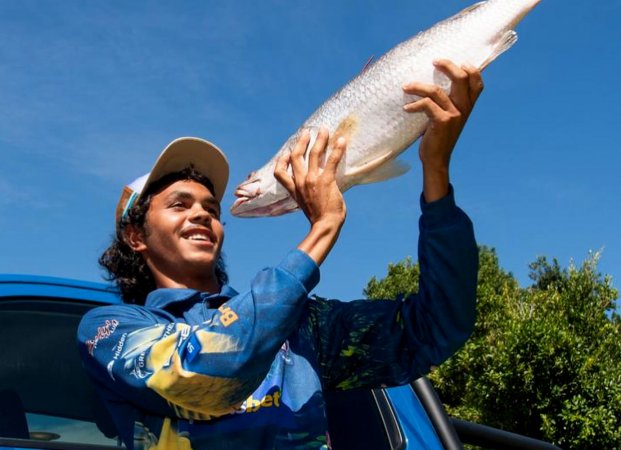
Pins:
x,y
368,111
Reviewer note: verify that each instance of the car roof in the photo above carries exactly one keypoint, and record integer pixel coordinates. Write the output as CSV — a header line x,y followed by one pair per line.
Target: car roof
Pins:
x,y
12,285
41,316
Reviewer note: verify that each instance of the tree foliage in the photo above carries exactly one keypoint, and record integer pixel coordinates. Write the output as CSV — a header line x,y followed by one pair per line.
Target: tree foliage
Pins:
x,y
544,361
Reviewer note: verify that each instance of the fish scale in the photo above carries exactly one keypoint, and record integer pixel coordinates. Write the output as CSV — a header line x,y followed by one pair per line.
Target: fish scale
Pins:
x,y
368,111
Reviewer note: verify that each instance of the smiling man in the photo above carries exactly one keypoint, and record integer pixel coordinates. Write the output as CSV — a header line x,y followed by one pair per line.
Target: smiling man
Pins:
x,y
188,362
182,237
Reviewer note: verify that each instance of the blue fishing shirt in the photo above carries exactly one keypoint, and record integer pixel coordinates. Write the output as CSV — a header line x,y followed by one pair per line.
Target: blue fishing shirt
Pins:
x,y
194,370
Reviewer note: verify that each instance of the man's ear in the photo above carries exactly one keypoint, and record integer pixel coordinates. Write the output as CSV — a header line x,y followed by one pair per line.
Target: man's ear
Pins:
x,y
134,237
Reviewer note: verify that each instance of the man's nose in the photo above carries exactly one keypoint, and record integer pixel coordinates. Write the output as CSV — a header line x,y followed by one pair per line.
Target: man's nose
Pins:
x,y
199,214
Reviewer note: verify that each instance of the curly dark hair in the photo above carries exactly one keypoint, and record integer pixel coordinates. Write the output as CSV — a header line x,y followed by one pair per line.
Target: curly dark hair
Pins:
x,y
127,268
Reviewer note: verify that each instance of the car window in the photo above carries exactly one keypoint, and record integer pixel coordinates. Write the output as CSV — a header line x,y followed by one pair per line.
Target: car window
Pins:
x,y
45,395
362,418
44,427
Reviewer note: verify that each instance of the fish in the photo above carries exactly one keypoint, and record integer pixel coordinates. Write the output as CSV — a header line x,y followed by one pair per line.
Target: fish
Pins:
x,y
368,111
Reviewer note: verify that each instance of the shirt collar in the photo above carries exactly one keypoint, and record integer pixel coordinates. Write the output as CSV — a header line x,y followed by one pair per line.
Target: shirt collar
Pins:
x,y
163,297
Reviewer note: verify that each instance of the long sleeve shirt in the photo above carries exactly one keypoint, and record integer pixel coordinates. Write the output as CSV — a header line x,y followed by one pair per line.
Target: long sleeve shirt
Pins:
x,y
194,370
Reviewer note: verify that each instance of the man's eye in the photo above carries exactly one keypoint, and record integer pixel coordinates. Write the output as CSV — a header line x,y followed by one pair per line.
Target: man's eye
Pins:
x,y
176,205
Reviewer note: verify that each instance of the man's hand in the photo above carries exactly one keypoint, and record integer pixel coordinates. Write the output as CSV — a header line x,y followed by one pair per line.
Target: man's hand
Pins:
x,y
447,116
315,190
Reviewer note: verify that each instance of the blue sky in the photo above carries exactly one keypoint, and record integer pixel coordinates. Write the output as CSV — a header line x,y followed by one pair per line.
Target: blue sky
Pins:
x,y
92,91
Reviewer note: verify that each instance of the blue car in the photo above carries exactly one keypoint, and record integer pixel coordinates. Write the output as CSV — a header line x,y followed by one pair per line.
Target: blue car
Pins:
x,y
47,401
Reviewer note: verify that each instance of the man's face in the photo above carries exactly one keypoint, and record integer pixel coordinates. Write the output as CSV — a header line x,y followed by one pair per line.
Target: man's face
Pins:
x,y
183,235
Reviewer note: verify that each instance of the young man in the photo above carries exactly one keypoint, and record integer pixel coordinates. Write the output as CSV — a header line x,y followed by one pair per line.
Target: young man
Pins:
x,y
188,362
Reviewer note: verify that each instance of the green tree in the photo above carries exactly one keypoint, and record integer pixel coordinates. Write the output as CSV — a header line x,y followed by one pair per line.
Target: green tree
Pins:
x,y
544,361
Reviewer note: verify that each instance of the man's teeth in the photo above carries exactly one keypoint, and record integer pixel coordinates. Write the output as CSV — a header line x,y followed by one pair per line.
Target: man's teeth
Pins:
x,y
198,237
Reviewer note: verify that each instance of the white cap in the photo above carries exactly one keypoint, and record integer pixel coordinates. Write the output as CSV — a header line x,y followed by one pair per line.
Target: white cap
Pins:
x,y
203,156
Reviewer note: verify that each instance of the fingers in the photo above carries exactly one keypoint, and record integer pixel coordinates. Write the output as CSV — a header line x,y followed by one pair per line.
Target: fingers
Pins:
x,y
460,86
430,108
475,81
427,91
335,156
466,86
282,175
318,151
302,175
314,189
298,152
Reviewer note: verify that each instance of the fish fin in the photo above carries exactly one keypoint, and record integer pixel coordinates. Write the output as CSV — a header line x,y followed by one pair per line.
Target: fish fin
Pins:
x,y
391,169
504,44
468,9
367,64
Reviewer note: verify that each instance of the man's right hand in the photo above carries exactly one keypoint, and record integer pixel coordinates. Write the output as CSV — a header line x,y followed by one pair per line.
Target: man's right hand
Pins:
x,y
315,190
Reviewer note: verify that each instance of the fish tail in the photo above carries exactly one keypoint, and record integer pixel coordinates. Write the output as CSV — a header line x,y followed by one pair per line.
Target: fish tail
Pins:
x,y
504,43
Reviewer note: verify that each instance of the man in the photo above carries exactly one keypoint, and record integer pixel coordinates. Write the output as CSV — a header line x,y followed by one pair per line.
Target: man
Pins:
x,y
188,362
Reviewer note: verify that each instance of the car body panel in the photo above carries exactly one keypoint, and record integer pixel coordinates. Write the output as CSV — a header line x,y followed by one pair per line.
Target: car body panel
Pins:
x,y
414,421
20,286
42,369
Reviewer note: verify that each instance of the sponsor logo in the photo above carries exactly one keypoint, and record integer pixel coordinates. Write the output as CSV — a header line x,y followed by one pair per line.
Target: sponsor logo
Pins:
x,y
119,346
228,316
185,331
255,404
193,348
169,328
103,332
139,365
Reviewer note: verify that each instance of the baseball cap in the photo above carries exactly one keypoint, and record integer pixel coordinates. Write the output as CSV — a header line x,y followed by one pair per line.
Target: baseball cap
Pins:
x,y
202,155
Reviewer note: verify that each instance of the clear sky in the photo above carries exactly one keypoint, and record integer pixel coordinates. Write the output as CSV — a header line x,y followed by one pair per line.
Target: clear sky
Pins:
x,y
92,91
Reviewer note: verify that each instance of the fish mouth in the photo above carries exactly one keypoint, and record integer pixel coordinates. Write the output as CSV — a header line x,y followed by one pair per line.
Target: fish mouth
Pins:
x,y
245,192
237,209
248,189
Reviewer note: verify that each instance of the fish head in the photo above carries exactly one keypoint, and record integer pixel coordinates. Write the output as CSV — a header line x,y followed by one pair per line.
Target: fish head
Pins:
x,y
262,195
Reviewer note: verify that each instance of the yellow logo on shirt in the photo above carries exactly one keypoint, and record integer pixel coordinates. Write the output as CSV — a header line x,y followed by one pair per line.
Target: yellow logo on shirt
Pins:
x,y
228,316
254,404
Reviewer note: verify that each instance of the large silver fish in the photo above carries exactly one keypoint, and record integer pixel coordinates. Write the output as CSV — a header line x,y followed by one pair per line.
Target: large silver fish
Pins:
x,y
368,111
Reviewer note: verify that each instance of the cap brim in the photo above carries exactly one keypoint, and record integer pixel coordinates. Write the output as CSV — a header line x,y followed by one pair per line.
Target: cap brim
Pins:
x,y
202,155
184,152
